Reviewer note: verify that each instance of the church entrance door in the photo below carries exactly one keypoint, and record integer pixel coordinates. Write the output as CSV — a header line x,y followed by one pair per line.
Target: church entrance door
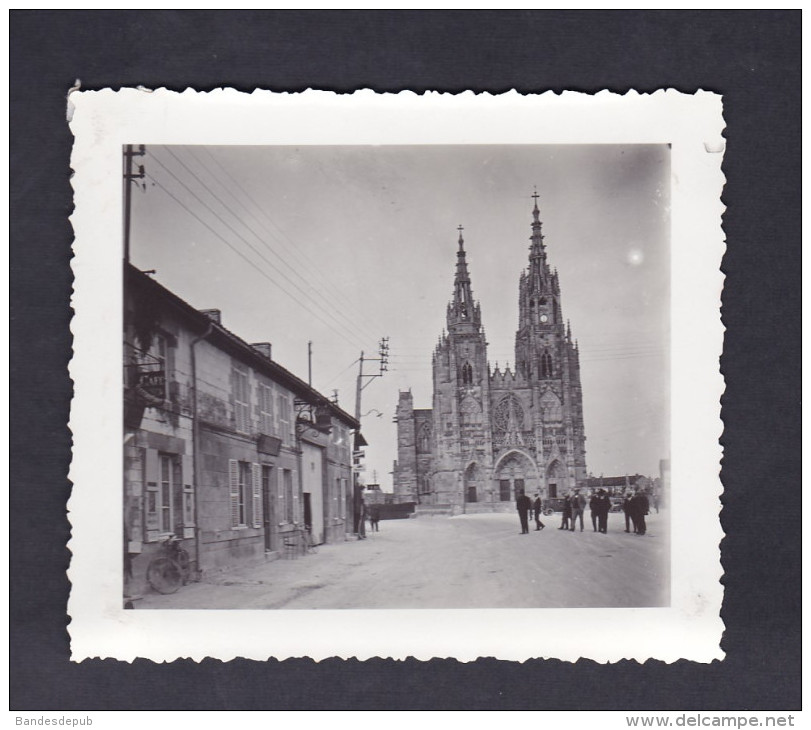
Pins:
x,y
516,475
518,488
555,478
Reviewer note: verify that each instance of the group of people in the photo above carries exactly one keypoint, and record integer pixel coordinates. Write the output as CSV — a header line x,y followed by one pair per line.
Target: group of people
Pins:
x,y
524,506
635,506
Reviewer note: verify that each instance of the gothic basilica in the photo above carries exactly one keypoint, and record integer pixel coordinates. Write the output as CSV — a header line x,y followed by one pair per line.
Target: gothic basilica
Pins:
x,y
492,434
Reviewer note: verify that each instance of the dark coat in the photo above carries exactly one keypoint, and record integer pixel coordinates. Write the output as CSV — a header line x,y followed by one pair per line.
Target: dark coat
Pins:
x,y
536,506
639,504
523,503
567,506
602,504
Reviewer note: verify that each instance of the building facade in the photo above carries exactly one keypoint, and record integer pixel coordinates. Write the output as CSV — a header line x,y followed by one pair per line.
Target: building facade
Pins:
x,y
223,447
492,434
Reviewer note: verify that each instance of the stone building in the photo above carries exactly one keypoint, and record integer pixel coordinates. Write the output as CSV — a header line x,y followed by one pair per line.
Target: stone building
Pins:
x,y
490,433
616,486
223,447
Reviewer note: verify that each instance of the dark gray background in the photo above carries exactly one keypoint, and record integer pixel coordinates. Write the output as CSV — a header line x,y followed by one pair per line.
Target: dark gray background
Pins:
x,y
752,58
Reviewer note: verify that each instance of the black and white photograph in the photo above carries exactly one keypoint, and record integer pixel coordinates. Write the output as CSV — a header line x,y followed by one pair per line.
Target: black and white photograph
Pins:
x,y
357,376
438,361
327,327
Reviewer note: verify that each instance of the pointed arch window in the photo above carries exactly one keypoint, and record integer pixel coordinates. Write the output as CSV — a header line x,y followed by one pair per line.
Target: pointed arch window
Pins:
x,y
424,439
546,365
467,374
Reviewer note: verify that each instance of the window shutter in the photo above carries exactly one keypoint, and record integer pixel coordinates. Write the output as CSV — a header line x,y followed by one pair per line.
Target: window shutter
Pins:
x,y
177,496
188,490
257,495
151,500
233,484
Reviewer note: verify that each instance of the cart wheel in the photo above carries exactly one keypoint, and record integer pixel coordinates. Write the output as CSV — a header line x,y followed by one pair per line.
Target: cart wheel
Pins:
x,y
549,511
164,575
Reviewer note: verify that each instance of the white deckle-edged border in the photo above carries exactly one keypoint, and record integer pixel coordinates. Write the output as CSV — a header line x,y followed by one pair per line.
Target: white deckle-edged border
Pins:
x,y
105,120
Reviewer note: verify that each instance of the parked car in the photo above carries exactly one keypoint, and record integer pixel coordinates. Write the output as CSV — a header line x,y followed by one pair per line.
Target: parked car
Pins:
x,y
552,505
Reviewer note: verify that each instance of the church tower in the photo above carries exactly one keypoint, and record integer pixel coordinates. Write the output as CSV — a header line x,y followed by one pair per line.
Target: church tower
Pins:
x,y
549,362
494,434
461,407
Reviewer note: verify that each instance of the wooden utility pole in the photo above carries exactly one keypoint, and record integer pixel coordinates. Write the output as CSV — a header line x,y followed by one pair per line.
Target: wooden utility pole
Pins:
x,y
129,176
383,351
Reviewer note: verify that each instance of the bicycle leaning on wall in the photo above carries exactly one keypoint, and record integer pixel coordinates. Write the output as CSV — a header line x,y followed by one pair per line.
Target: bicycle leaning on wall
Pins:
x,y
169,569
299,542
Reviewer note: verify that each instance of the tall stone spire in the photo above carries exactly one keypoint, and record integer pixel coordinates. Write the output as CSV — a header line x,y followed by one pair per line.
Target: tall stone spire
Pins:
x,y
462,309
537,251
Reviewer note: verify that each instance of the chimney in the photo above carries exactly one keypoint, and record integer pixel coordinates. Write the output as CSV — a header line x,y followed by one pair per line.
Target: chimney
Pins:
x,y
263,347
215,315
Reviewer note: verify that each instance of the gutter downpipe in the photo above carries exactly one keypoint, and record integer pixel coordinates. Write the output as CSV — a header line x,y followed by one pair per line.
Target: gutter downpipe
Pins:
x,y
196,447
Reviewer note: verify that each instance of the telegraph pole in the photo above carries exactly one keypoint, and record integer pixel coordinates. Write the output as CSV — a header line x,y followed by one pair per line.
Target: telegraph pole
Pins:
x,y
383,351
129,176
357,453
359,388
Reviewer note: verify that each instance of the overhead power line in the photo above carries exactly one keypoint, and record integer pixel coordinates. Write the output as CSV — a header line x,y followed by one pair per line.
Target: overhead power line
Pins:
x,y
315,292
260,271
351,333
293,249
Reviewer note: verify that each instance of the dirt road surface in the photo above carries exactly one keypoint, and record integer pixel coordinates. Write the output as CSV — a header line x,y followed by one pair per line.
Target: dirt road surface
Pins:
x,y
469,561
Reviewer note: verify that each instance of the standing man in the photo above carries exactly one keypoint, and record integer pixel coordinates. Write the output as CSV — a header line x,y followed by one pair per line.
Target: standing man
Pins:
x,y
523,505
603,508
627,508
594,508
578,507
536,508
362,519
641,507
567,513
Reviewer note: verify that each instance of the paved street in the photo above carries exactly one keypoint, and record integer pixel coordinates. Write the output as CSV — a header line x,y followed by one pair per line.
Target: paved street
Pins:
x,y
469,561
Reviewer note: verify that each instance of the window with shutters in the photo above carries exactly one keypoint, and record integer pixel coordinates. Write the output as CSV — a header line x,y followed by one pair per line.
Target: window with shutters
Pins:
x,y
161,494
242,407
289,510
168,480
256,495
159,351
267,424
241,484
284,417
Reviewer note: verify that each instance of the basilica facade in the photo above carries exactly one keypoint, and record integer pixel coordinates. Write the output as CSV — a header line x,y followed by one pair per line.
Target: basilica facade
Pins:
x,y
492,434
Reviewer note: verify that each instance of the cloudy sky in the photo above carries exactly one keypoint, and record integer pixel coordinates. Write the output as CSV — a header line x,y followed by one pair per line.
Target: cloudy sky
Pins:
x,y
345,245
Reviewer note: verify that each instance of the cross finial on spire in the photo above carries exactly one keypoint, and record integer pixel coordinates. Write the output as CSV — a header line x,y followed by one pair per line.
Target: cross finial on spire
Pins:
x,y
535,212
461,240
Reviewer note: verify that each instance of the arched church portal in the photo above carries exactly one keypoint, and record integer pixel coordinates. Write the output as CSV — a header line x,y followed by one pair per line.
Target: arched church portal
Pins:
x,y
516,474
556,479
473,483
